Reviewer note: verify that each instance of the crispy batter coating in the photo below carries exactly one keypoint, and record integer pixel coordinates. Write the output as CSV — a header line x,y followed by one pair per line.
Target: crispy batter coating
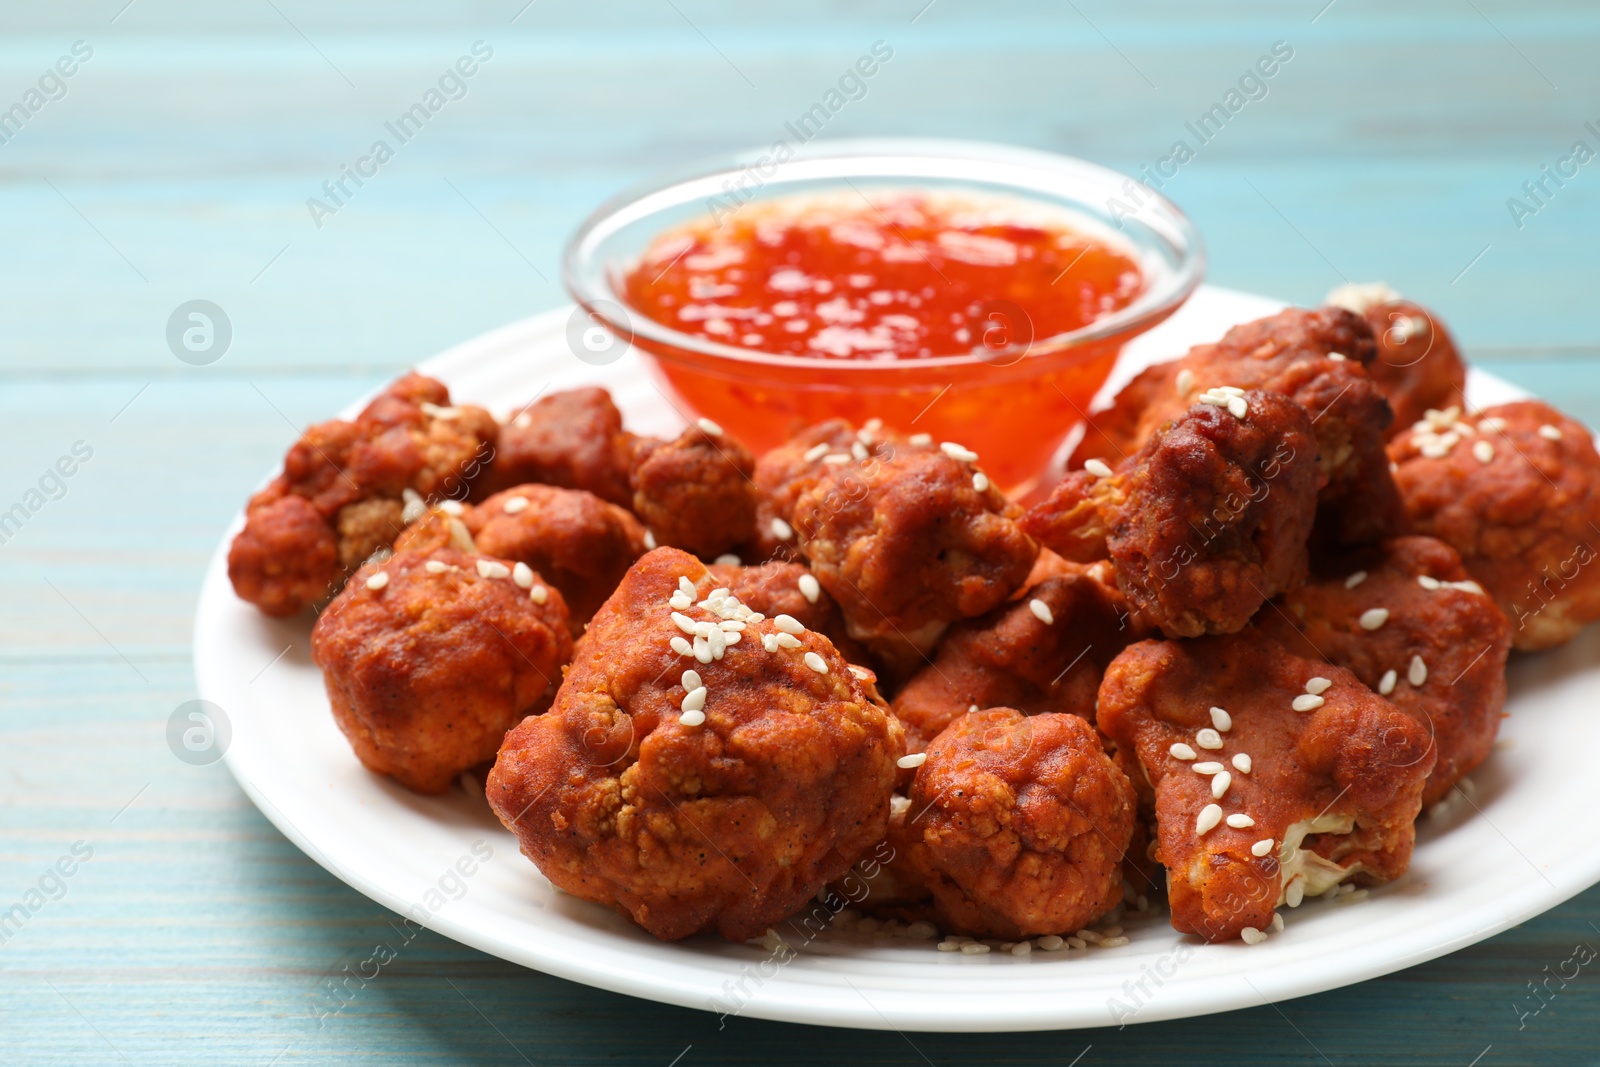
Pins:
x,y
1333,791
727,825
1018,824
1450,626
1417,365
777,588
783,474
1290,353
1514,490
427,672
906,542
573,439
1206,522
577,542
695,493
355,477
1010,657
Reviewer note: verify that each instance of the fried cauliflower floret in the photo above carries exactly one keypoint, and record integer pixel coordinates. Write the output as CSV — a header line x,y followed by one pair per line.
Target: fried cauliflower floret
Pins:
x,y
1043,652
574,540
430,657
1317,358
1018,825
785,472
1516,490
1439,653
1417,365
777,588
695,492
714,792
355,477
1206,522
572,439
908,539
1259,803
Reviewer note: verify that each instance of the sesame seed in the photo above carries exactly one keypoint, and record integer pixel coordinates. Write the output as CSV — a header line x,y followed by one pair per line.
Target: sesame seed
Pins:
x,y
810,588
1549,433
696,700
1338,357
1355,579
916,759
451,507
949,946
974,948
692,717
816,663
980,482
649,540
728,559
1373,618
1387,682
1493,424
1428,582
718,642
702,650
1221,720
1051,942
415,507
789,624
786,640
1317,686
858,451
690,680
836,458
1182,751
1484,451
491,568
1022,948
681,646
685,586
1097,467
680,602
439,411
899,805
538,594
920,440
1307,702
1041,611
433,566
378,581
730,626
781,530
516,505
1295,894
1241,822
1208,738
769,642
1216,400
733,638
522,574
1277,922
683,622
1241,762
1238,408
955,451
859,672
972,709
709,427
816,452
1210,816
1251,936
1208,767
1185,381
1262,847
1466,587
1417,674
1220,784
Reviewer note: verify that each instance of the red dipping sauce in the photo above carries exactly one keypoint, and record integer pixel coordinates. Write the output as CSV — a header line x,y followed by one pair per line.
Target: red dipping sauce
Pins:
x,y
933,312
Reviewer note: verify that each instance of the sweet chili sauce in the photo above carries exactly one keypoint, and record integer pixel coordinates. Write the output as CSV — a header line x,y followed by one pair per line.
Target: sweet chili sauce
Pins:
x,y
869,299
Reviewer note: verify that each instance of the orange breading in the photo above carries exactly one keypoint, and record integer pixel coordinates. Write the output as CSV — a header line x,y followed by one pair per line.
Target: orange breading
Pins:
x,y
573,439
695,492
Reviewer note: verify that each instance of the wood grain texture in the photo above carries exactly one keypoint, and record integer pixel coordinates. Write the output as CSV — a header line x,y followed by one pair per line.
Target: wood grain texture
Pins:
x,y
178,165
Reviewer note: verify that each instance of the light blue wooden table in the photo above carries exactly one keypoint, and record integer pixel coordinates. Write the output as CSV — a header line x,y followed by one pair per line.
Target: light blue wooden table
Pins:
x,y
175,164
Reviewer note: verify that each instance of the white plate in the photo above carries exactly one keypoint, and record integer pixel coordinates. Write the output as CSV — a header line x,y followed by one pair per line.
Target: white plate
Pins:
x,y
1472,877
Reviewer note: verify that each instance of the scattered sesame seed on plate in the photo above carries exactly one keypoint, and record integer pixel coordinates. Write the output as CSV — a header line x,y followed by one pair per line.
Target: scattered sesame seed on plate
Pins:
x,y
1295,893
491,568
1549,432
1210,816
1386,684
433,566
1041,611
1319,685
1208,738
1251,936
1221,720
916,759
692,717
1417,673
1240,821
1242,763
538,594
1355,579
974,948
816,663
1097,467
709,427
378,581
1307,702
1182,751
522,574
1373,618
782,530
516,505
1262,847
810,588
1277,922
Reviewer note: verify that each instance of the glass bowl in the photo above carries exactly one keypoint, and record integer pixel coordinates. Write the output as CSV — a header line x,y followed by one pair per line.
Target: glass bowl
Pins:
x,y
1011,401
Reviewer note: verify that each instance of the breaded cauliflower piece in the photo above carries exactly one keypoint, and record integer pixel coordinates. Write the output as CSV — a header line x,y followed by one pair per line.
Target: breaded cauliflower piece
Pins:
x,y
1018,825
1515,489
1417,365
695,492
1273,777
1207,521
703,768
577,542
1405,618
1317,358
572,439
1043,652
429,657
355,478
